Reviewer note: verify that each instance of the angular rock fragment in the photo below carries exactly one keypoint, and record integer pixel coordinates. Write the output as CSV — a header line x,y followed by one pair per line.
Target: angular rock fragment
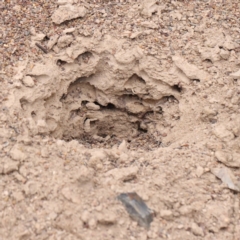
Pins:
x,y
227,158
68,12
223,133
236,75
196,230
190,70
208,115
107,218
65,40
211,54
229,44
136,208
53,40
224,54
123,174
9,166
227,177
17,155
92,106
149,7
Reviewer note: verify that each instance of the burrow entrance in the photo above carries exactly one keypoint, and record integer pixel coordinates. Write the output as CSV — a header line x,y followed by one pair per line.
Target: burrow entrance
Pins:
x,y
99,101
95,118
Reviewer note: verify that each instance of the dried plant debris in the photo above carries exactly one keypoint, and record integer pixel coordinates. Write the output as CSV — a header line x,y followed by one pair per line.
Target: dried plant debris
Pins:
x,y
136,208
227,177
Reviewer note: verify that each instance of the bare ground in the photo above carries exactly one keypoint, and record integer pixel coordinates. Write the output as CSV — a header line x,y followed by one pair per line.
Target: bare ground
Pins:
x,y
130,96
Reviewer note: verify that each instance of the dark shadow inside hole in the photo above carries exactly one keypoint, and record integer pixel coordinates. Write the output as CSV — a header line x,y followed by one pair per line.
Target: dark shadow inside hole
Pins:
x,y
171,98
81,80
141,130
60,62
131,96
196,80
63,97
177,88
129,179
83,103
93,123
97,104
108,106
23,103
133,80
46,38
33,114
207,60
103,135
84,57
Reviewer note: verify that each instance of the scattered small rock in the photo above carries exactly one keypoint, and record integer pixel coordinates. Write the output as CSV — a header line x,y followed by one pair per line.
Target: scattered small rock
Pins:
x,y
199,171
196,230
107,218
52,41
236,75
45,152
92,106
166,214
191,71
64,41
17,154
223,133
123,174
9,166
136,208
227,177
28,81
228,158
149,7
68,12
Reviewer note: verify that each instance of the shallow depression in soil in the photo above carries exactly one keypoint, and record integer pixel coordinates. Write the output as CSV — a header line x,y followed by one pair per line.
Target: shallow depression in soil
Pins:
x,y
96,96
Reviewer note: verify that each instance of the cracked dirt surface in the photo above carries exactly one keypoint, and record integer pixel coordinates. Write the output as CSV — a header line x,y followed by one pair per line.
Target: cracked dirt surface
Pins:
x,y
123,96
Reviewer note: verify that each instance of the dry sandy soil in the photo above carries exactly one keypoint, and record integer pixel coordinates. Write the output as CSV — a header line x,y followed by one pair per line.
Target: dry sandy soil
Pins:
x,y
100,98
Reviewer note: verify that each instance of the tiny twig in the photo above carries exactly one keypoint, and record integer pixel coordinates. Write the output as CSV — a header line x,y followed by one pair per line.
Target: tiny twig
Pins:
x,y
41,47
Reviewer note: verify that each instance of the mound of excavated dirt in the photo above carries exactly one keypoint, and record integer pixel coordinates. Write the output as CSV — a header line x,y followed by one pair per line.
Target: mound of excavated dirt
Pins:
x,y
123,97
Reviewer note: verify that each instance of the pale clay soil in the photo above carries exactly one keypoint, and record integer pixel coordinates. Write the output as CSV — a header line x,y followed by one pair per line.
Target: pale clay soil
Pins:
x,y
119,96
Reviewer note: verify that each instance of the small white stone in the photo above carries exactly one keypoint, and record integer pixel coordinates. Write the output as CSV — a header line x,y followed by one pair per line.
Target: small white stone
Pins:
x,y
166,214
